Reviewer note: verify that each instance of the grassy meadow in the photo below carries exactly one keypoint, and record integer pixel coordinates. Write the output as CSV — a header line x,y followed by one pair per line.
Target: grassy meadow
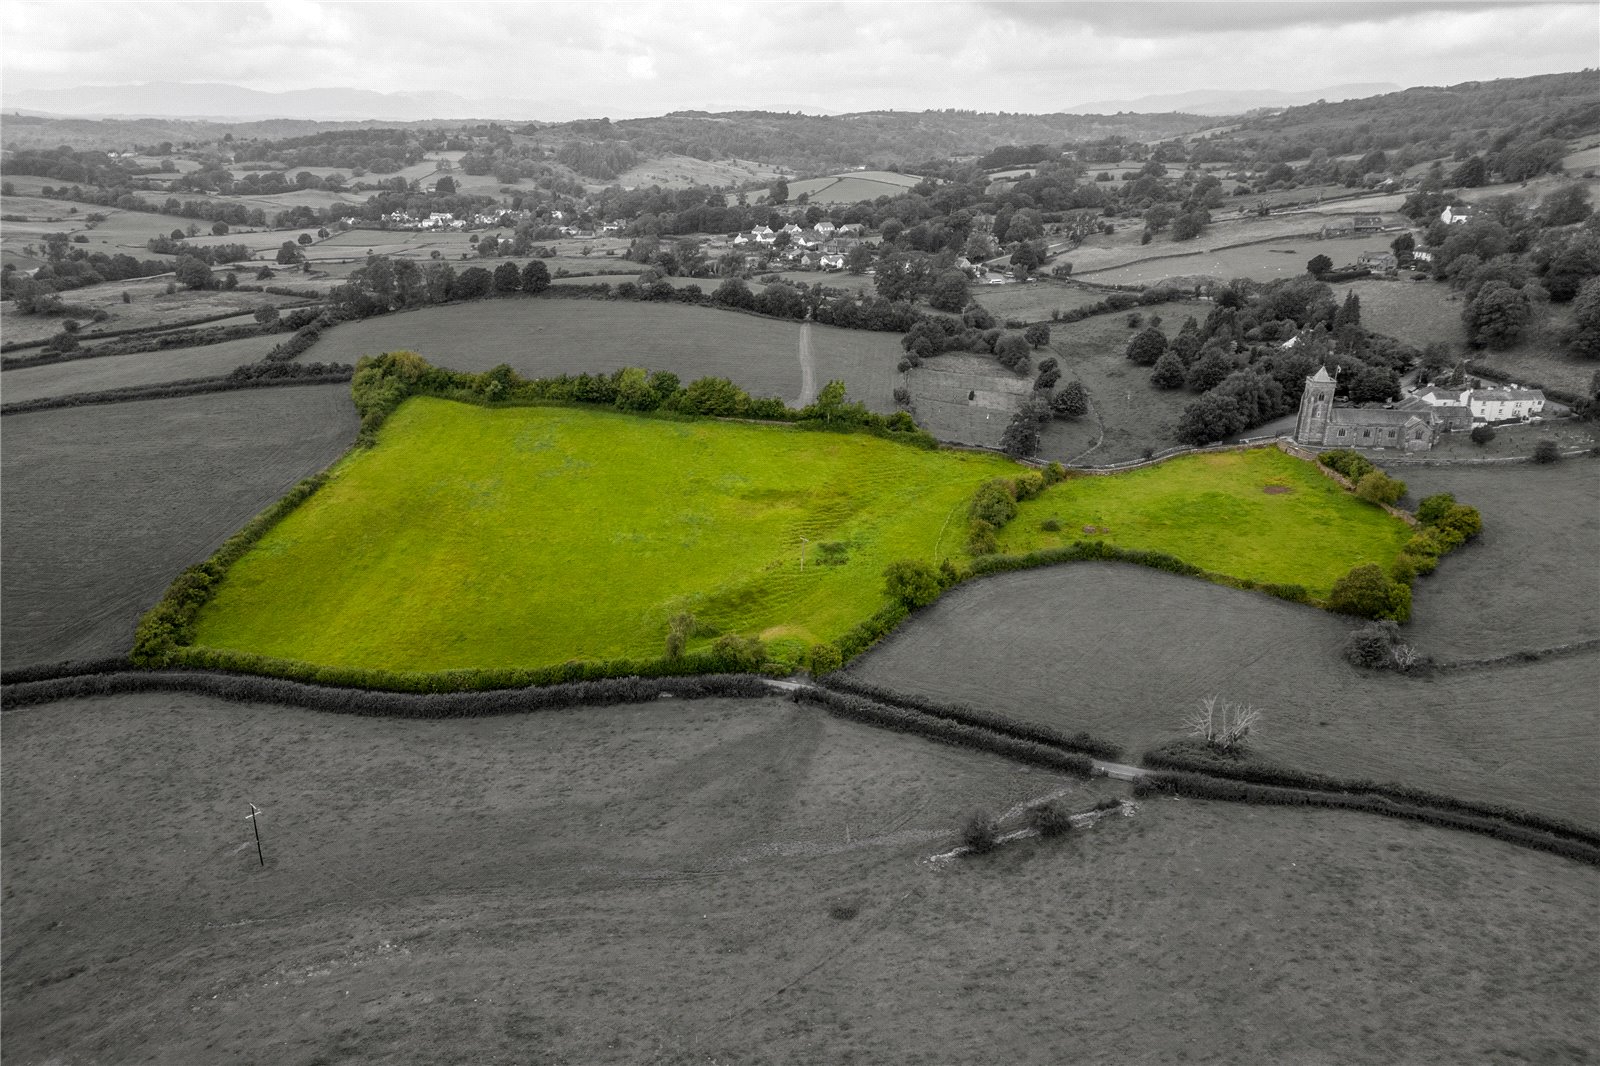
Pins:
x,y
1245,514
473,538
726,881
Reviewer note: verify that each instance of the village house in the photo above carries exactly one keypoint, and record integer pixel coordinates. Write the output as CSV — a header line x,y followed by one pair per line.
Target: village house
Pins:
x,y
1456,213
825,229
1380,261
1483,405
852,229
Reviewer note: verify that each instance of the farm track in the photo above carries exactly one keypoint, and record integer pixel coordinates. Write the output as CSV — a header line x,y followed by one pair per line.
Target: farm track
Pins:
x,y
808,368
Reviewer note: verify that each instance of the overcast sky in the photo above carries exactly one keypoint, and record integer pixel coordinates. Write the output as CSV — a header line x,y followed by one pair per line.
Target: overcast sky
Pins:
x,y
628,59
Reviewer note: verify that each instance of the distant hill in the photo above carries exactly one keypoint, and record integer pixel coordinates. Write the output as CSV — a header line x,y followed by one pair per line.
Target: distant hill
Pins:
x,y
1232,101
217,101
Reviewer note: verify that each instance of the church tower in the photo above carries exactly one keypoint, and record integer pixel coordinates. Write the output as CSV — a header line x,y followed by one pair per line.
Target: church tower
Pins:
x,y
1315,404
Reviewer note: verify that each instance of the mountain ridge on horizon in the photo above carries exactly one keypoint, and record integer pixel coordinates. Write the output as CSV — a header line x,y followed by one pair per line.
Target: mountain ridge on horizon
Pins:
x,y
225,102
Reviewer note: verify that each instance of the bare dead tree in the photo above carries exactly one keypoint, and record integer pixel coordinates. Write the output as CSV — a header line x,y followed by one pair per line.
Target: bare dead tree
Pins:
x,y
1223,724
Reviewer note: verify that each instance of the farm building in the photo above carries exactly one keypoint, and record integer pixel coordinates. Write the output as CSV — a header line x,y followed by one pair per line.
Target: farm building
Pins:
x,y
1321,424
1381,261
1455,213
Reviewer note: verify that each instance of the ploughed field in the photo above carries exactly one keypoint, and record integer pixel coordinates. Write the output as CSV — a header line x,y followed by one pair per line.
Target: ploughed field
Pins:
x,y
525,537
549,337
1247,514
1125,653
473,538
731,881
105,505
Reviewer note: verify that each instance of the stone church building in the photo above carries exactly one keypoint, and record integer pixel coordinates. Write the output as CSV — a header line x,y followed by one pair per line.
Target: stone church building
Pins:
x,y
1322,425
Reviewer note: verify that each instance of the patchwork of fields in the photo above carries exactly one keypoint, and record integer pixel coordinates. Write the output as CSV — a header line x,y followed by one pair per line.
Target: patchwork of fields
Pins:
x,y
549,886
105,505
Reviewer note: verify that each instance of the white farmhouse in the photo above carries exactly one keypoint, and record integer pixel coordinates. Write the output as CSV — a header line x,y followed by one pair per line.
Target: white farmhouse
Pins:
x,y
1499,405
1455,213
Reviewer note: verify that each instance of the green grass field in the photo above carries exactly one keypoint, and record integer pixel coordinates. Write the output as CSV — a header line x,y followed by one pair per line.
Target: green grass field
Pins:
x,y
1245,514
531,536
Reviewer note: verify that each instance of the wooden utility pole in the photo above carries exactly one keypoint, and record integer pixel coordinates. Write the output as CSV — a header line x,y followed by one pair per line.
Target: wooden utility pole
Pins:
x,y
255,823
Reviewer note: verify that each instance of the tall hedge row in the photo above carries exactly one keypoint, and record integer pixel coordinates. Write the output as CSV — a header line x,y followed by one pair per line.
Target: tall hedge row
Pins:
x,y
245,688
1202,787
946,730
967,715
1192,757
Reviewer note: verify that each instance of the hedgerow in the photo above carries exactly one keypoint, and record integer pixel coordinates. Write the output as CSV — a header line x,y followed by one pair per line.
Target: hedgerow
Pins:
x,y
381,383
245,688
1202,787
251,378
968,715
1196,758
918,723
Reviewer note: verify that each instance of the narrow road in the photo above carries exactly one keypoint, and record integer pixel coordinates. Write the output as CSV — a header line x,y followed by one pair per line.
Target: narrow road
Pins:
x,y
808,369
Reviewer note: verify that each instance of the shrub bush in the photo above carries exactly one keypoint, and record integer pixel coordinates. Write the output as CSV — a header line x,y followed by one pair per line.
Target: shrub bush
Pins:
x,y
1367,592
912,582
1352,465
1482,435
980,832
1377,487
824,659
1546,452
1050,819
994,503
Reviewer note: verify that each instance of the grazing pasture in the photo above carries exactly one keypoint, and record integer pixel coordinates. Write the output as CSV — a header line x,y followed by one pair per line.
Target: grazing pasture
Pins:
x,y
527,537
965,399
1129,415
1125,652
853,187
1034,301
1417,312
1260,514
682,172
105,505
140,368
729,880
1260,262
1108,251
1532,578
548,337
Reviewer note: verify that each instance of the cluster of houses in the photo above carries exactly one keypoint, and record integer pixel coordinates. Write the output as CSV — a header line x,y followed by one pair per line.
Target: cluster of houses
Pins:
x,y
1414,423
822,247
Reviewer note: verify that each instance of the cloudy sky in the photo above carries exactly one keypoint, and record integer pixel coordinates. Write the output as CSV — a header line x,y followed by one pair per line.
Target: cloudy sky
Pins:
x,y
625,59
